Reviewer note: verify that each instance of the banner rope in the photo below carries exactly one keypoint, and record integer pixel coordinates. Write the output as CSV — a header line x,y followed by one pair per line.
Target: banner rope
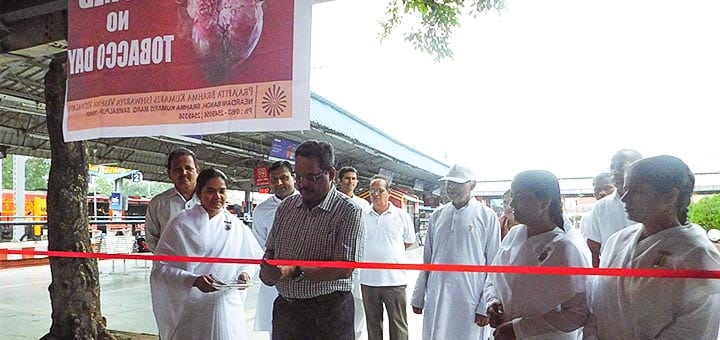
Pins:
x,y
534,270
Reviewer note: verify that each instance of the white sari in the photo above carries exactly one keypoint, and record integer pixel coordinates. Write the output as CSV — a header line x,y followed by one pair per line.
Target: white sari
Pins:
x,y
183,311
541,306
656,308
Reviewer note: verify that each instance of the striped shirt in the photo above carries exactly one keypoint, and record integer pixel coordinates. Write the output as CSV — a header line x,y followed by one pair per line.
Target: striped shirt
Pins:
x,y
331,231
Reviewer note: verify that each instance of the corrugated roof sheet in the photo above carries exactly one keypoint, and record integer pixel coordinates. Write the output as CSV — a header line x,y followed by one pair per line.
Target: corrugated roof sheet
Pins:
x,y
327,114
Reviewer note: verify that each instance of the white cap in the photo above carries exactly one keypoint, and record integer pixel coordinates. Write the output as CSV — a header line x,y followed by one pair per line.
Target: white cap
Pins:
x,y
459,174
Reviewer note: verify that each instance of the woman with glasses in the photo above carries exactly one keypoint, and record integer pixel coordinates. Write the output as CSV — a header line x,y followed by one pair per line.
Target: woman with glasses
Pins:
x,y
534,306
657,195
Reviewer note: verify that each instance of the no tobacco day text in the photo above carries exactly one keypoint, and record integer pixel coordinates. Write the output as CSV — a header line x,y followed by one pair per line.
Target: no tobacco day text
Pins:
x,y
121,53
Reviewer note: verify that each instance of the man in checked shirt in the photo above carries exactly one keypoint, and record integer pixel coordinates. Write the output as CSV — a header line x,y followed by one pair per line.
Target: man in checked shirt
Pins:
x,y
319,224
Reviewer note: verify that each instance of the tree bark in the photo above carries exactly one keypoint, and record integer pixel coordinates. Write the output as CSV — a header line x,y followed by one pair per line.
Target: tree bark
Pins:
x,y
75,286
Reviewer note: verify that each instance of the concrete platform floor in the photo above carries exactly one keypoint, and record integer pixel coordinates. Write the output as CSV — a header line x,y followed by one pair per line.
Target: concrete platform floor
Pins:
x,y
125,297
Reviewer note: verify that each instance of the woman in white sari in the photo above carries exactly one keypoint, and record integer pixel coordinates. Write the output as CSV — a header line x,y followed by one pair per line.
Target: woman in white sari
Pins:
x,y
538,306
189,300
657,196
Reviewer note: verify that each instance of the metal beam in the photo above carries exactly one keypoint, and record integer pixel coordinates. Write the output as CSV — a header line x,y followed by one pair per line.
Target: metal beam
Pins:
x,y
35,31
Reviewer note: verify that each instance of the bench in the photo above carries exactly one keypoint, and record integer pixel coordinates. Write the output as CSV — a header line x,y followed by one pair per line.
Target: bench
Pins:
x,y
117,245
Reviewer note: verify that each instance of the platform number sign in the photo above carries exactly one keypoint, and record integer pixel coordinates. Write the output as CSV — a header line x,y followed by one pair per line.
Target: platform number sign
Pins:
x,y
136,177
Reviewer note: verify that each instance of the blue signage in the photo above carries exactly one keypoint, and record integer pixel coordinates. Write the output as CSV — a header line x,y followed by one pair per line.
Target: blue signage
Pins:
x,y
115,201
283,149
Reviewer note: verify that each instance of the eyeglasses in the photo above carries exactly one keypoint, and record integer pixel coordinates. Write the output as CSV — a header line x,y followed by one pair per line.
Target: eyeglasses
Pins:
x,y
310,178
378,191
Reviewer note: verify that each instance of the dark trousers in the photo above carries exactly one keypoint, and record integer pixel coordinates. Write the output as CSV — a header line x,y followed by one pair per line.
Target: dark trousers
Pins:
x,y
29,234
326,317
393,297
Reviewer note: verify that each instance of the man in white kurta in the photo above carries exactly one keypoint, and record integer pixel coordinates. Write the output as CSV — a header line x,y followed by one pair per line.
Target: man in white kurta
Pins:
x,y
584,223
183,311
656,308
541,306
608,215
470,234
161,209
283,185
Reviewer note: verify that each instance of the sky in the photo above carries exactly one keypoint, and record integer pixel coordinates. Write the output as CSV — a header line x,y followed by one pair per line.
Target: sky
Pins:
x,y
555,85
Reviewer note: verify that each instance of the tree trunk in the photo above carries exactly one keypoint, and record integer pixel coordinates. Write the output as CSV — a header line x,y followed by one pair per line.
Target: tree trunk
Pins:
x,y
75,286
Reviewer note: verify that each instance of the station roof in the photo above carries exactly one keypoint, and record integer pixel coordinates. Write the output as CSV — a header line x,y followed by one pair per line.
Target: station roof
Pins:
x,y
32,31
335,119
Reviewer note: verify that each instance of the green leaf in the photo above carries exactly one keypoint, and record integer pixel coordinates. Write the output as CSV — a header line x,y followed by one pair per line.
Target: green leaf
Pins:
x,y
438,18
706,212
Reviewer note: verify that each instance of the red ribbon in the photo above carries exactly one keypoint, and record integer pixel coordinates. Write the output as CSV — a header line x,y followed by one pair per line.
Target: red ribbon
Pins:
x,y
620,272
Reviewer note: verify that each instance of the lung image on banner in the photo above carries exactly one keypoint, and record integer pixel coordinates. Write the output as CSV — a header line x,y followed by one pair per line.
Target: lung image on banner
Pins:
x,y
191,67
225,45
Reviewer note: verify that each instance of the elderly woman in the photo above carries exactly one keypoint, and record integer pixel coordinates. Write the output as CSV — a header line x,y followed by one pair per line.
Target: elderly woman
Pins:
x,y
658,191
193,300
534,306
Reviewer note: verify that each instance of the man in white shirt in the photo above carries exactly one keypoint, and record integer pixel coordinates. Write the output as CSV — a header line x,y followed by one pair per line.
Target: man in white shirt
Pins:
x,y
608,215
461,232
183,169
602,187
347,182
282,183
389,231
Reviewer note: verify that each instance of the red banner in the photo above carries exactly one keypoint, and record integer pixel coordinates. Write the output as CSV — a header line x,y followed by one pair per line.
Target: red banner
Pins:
x,y
139,68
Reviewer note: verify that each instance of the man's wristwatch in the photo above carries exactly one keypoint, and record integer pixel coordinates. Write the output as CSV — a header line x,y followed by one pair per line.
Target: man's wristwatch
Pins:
x,y
299,274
